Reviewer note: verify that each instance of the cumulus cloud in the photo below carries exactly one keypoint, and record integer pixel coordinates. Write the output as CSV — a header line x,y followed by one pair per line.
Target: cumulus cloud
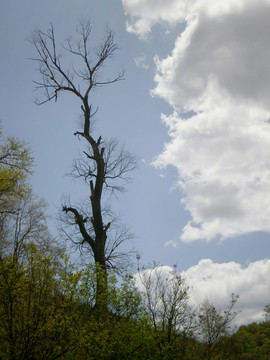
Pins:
x,y
217,282
217,79
222,159
232,49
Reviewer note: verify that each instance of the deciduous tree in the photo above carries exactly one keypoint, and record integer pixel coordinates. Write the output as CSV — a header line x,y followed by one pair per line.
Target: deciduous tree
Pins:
x,y
213,330
104,164
15,165
36,320
267,312
166,297
25,225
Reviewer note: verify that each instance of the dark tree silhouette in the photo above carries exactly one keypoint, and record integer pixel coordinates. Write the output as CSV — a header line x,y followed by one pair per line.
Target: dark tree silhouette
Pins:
x,y
103,165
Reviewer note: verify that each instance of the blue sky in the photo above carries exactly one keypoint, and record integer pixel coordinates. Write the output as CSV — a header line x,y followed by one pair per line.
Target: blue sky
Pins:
x,y
194,110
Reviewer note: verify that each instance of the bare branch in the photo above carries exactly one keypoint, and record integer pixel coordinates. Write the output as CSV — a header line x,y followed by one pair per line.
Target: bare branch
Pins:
x,y
102,165
80,221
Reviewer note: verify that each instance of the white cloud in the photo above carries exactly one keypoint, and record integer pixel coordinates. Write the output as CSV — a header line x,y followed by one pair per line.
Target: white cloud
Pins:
x,y
218,281
143,14
155,274
219,72
140,62
223,163
232,49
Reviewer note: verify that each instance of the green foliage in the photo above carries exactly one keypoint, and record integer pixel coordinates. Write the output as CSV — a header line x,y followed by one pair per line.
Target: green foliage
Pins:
x,y
22,215
120,331
47,311
15,164
35,317
253,341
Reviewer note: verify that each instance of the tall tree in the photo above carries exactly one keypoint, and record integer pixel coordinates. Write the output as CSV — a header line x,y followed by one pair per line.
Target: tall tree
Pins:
x,y
104,164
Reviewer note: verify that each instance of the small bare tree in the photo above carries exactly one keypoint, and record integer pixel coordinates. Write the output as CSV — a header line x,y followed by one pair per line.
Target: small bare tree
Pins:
x,y
104,165
213,330
26,225
167,296
267,312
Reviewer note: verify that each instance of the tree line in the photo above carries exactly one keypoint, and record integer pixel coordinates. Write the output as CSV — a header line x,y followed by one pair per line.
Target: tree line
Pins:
x,y
50,308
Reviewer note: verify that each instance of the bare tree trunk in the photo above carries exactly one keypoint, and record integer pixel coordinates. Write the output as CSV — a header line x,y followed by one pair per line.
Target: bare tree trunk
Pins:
x,y
103,164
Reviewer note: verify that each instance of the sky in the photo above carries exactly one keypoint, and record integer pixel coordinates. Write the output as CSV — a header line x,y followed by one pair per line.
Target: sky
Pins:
x,y
194,110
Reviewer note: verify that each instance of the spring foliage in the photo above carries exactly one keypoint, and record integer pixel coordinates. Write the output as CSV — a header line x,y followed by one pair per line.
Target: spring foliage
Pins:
x,y
47,312
15,165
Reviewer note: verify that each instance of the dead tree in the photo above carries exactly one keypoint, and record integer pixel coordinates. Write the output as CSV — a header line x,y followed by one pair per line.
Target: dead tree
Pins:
x,y
103,164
